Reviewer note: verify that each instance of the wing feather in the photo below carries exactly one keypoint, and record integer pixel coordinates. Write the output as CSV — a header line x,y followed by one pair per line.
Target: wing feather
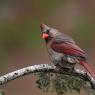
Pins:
x,y
68,48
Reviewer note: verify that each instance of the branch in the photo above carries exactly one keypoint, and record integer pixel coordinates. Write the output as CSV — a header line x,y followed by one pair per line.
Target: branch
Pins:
x,y
44,68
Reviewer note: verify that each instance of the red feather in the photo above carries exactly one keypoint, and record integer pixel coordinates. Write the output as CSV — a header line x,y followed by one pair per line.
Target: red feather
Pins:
x,y
73,49
88,67
68,48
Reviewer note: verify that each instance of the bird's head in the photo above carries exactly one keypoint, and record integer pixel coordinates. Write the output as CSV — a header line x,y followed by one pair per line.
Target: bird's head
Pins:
x,y
48,33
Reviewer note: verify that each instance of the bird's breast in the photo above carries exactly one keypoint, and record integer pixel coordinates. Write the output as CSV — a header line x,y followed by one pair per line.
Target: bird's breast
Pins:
x,y
53,55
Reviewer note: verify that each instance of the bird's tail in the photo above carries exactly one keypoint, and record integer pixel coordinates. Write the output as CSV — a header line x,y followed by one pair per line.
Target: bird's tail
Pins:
x,y
89,68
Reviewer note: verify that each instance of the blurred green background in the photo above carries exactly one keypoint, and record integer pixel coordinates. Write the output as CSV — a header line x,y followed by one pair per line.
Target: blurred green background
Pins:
x,y
20,38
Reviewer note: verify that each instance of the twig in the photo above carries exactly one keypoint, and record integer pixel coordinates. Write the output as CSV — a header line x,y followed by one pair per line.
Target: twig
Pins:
x,y
44,68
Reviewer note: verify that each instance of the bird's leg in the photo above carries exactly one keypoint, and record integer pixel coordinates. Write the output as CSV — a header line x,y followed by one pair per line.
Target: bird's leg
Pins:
x,y
66,67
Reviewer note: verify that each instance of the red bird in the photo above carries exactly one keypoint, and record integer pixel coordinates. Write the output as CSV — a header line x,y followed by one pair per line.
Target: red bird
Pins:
x,y
63,51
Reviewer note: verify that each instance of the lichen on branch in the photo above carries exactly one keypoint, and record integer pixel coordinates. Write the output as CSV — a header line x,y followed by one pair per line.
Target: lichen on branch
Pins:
x,y
49,75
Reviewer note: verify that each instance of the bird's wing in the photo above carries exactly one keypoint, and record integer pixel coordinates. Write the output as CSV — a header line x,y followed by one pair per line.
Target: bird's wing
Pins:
x,y
68,48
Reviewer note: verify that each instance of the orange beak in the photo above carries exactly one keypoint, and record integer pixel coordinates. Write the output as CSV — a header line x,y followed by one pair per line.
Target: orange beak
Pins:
x,y
44,35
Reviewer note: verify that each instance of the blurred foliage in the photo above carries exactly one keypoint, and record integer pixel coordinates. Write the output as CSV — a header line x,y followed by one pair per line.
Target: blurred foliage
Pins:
x,y
62,84
2,92
19,25
85,30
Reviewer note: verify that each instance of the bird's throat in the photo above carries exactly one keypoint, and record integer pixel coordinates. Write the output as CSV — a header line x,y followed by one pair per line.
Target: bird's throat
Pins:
x,y
48,39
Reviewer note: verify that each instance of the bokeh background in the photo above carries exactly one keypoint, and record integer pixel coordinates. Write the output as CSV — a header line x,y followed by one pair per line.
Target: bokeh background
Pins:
x,y
20,38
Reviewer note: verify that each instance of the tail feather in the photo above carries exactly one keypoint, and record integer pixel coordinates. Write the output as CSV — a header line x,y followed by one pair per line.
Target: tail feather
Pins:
x,y
88,67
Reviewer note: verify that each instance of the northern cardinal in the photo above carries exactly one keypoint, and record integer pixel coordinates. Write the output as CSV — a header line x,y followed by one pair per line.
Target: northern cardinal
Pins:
x,y
63,51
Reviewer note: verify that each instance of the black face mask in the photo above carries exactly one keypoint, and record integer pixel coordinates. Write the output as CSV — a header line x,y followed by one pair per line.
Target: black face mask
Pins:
x,y
48,39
